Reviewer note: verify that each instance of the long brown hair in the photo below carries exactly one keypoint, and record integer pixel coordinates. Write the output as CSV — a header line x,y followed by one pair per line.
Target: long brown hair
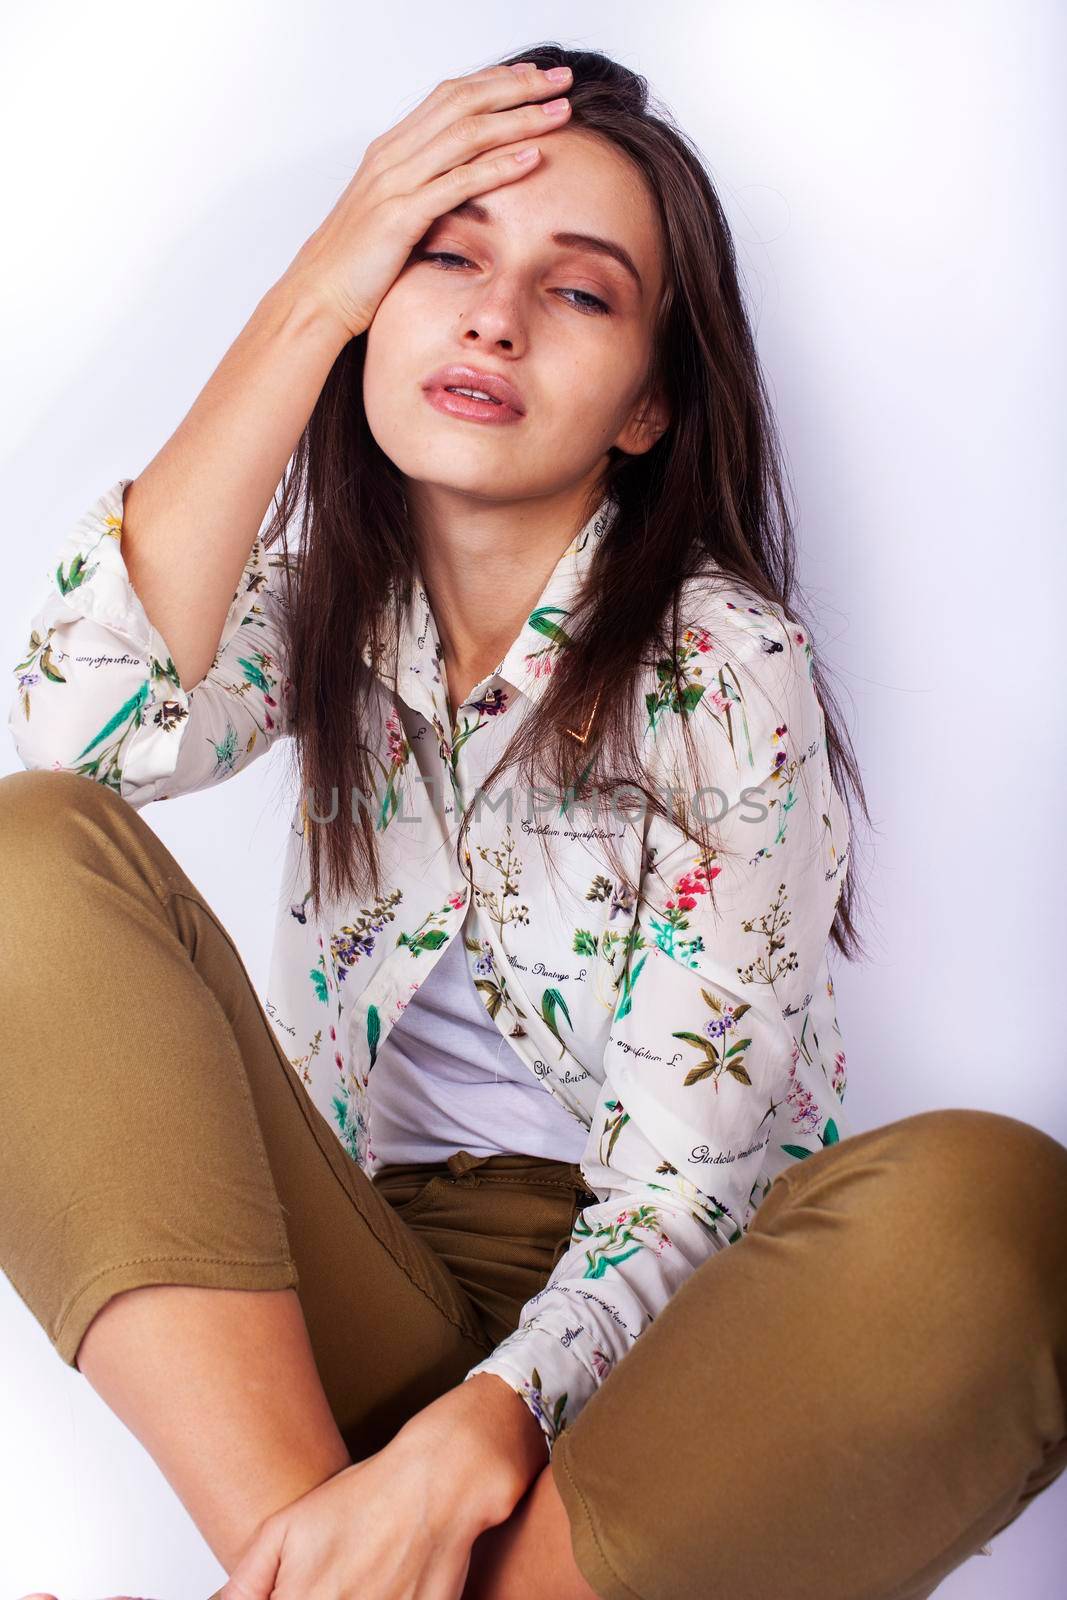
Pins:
x,y
710,490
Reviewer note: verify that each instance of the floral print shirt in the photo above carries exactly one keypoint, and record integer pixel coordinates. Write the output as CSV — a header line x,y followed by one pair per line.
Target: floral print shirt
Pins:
x,y
696,1044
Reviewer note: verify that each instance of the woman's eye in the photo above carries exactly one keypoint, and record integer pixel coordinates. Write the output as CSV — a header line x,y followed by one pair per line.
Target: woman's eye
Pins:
x,y
597,308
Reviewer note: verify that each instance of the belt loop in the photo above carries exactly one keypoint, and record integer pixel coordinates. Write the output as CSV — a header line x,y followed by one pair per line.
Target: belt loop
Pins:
x,y
461,1162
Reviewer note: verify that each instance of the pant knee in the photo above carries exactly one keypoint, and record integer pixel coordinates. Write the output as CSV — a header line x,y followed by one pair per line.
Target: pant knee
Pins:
x,y
986,1192
996,1188
40,801
987,1152
51,823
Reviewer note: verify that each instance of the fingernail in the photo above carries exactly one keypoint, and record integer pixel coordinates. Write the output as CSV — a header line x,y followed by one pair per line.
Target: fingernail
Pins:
x,y
557,74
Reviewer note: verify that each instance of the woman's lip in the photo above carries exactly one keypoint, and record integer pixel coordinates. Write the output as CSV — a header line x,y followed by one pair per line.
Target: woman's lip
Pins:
x,y
463,405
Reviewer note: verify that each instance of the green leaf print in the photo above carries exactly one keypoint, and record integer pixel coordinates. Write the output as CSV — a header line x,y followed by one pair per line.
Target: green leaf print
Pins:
x,y
48,667
374,1031
349,1128
390,801
126,713
418,942
616,1120
254,674
41,653
626,990
75,577
541,622
616,1241
552,1001
226,750
828,1136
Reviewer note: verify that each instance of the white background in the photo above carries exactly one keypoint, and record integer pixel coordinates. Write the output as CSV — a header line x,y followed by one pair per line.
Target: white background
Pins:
x,y
893,178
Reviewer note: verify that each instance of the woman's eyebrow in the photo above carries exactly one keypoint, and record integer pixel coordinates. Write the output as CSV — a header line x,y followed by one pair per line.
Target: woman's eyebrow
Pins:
x,y
474,211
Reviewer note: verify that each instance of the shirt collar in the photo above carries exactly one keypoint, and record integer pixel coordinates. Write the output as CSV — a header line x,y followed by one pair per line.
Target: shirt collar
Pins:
x,y
527,663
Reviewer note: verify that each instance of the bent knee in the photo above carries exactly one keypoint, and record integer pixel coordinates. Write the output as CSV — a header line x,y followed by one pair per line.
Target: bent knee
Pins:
x,y
990,1177
985,1148
44,797
42,813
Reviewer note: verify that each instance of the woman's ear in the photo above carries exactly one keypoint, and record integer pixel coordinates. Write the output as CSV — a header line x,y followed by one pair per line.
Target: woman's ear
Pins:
x,y
649,420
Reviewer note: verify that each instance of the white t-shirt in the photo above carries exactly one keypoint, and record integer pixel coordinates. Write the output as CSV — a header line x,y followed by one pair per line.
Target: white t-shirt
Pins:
x,y
446,1079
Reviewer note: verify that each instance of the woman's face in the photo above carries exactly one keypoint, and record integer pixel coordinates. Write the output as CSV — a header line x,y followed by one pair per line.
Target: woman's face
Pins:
x,y
510,300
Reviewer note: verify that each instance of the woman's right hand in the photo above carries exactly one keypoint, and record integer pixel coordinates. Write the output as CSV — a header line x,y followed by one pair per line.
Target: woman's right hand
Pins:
x,y
460,141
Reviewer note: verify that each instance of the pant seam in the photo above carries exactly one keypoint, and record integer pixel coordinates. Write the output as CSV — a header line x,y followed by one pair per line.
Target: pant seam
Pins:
x,y
242,1078
540,1183
559,1459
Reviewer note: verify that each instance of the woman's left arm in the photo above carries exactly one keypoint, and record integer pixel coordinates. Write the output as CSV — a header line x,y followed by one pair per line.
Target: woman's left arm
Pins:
x,y
403,1521
721,1066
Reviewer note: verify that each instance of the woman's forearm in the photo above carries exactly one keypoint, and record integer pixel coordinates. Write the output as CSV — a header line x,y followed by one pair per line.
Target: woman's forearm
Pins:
x,y
192,515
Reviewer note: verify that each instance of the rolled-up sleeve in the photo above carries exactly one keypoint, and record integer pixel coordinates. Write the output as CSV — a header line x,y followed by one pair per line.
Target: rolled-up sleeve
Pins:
x,y
97,691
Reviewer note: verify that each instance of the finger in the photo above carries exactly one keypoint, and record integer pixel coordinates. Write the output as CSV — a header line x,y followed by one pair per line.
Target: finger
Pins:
x,y
501,97
254,1576
440,179
430,102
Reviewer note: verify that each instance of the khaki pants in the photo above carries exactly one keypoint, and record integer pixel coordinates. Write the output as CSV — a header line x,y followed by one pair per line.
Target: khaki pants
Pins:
x,y
843,1405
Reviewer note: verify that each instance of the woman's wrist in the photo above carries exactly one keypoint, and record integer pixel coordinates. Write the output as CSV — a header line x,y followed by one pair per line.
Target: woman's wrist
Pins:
x,y
489,1440
501,1418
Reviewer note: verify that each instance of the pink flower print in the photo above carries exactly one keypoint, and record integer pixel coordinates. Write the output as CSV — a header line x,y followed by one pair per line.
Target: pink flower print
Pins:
x,y
337,1059
689,886
401,1005
457,899
395,740
837,1080
718,699
602,1363
798,636
541,663
697,639
806,1114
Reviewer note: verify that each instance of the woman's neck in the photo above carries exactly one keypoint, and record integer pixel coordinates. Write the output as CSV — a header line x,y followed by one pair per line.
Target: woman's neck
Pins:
x,y
484,567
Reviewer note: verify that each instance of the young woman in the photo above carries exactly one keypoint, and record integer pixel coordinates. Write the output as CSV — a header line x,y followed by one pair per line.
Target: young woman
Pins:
x,y
550,1022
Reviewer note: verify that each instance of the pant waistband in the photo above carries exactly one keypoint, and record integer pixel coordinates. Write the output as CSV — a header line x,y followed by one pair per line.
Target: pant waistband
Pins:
x,y
461,1162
